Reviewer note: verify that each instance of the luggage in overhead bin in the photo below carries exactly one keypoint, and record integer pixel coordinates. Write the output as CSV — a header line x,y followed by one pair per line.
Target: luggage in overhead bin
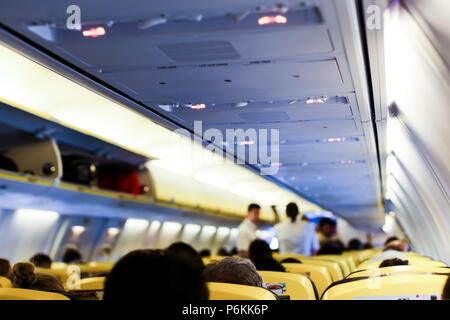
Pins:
x,y
7,164
122,181
78,169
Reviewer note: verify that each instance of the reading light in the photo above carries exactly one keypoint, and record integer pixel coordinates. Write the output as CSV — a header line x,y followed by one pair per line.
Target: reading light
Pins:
x,y
113,231
94,32
316,100
272,19
246,143
198,106
77,230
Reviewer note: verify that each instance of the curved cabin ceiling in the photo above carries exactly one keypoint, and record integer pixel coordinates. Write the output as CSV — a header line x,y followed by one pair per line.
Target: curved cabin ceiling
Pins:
x,y
304,74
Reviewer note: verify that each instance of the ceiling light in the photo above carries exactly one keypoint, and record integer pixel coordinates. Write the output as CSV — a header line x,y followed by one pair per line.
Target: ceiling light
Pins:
x,y
94,32
198,106
113,231
316,100
77,230
272,19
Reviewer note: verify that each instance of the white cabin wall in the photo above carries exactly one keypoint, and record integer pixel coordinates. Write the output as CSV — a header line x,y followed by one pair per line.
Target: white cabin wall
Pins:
x,y
418,170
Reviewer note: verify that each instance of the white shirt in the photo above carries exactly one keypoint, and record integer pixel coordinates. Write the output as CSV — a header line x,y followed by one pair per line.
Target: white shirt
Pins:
x,y
297,237
247,233
389,254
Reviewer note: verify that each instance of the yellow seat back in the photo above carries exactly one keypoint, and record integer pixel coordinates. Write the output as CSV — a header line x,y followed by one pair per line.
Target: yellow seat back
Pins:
x,y
296,286
5,282
318,274
229,291
395,287
412,262
96,267
27,294
333,267
342,260
60,274
396,270
90,288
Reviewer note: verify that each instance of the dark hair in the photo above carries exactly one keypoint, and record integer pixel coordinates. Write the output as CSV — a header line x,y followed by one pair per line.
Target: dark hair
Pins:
x,y
354,244
259,247
185,251
24,277
154,275
253,206
292,211
72,255
367,246
446,291
5,268
223,252
331,247
41,260
390,239
267,263
290,260
393,262
325,221
205,253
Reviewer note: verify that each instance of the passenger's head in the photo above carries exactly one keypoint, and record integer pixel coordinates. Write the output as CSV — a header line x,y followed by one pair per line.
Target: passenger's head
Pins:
x,y
292,211
5,268
327,226
290,260
233,270
41,260
253,212
354,244
205,253
154,275
259,247
390,239
267,263
331,247
223,252
393,262
185,251
24,277
72,255
446,292
397,245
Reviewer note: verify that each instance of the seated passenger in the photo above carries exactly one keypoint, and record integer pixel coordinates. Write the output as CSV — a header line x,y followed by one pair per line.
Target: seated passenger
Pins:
x,y
390,239
223,252
205,253
354,244
261,256
72,255
185,251
394,249
154,275
233,270
41,260
446,292
5,268
24,277
393,262
296,235
331,247
290,260
267,263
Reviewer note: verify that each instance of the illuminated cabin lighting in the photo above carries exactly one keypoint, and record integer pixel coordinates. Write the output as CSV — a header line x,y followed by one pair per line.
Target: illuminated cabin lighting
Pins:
x,y
346,161
78,229
198,106
113,231
94,32
334,140
316,100
272,19
247,142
